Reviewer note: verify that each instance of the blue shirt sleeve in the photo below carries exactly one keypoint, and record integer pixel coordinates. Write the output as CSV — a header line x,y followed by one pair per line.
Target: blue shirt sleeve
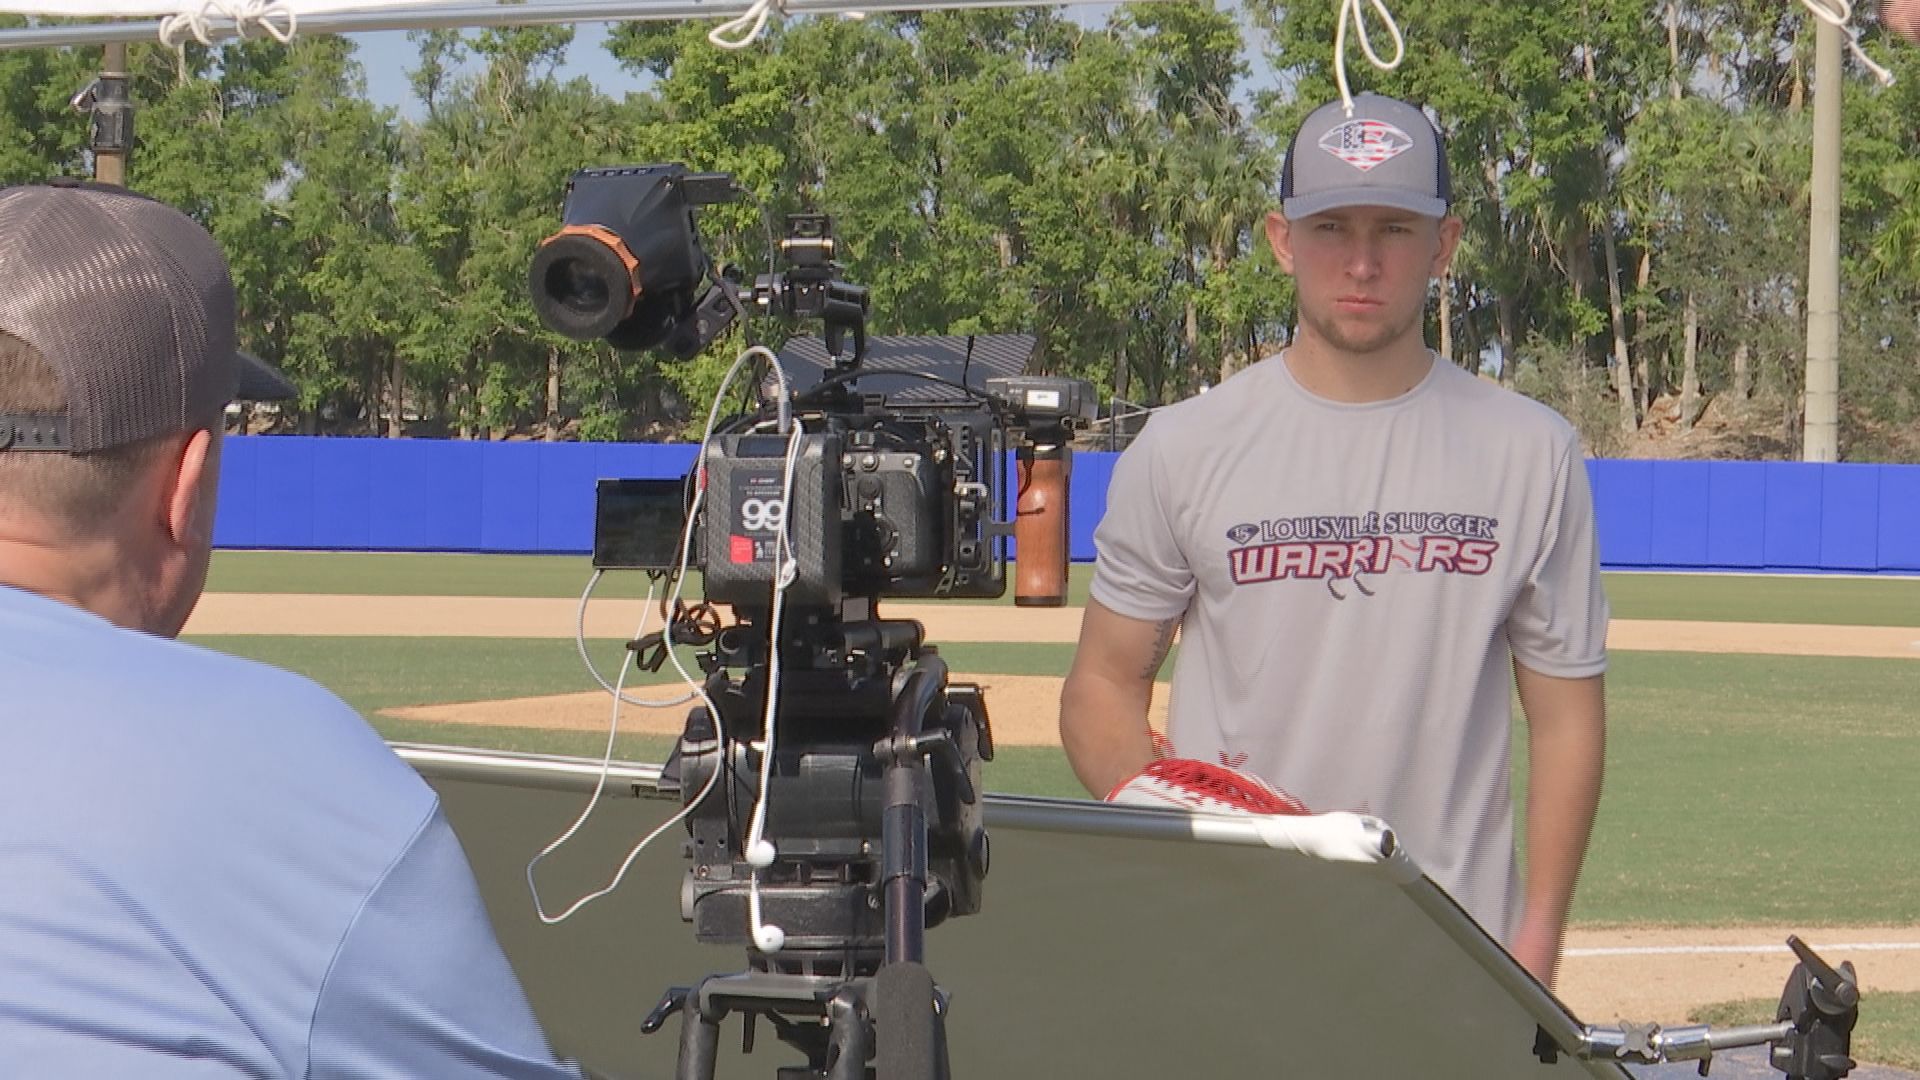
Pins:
x,y
420,986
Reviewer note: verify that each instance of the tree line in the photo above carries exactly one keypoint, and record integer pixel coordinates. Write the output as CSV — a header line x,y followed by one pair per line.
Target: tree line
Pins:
x,y
1633,175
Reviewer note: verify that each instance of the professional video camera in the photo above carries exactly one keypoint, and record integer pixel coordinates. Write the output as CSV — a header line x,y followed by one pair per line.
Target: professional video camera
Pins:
x,y
831,835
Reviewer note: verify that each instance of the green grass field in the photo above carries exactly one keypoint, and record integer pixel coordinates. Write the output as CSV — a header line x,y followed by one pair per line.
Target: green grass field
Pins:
x,y
1746,598
1729,766
1734,767
1740,789
374,673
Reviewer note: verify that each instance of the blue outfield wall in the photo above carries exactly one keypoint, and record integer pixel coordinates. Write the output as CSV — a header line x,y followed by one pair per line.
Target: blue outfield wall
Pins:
x,y
307,493
300,492
1757,515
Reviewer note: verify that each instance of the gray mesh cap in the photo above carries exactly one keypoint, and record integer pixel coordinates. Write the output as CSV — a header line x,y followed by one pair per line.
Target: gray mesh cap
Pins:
x,y
1386,153
130,303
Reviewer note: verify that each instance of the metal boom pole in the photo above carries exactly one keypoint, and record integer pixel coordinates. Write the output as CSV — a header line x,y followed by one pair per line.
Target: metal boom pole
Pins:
x,y
463,14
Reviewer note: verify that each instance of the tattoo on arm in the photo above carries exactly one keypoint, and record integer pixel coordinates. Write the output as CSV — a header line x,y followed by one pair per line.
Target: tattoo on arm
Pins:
x,y
1162,644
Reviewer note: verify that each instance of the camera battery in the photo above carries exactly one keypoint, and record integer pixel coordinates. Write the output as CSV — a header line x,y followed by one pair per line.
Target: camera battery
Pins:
x,y
746,510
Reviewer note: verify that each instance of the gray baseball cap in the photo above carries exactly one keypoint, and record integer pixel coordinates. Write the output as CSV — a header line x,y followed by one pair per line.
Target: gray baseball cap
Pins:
x,y
1386,153
129,301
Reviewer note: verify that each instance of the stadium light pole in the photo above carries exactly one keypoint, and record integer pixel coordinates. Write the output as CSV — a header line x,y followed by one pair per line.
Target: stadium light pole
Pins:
x,y
1820,430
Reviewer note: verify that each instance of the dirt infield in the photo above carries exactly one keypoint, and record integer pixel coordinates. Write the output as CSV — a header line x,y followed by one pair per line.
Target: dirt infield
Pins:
x,y
1610,975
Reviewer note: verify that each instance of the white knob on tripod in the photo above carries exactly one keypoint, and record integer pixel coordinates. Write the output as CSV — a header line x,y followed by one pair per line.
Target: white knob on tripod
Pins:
x,y
760,854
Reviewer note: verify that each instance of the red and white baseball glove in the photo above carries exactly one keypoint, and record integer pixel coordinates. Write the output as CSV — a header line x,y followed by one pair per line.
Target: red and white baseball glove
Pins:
x,y
1186,784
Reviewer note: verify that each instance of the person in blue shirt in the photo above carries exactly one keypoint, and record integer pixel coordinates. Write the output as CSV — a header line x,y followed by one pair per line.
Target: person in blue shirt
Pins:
x,y
208,867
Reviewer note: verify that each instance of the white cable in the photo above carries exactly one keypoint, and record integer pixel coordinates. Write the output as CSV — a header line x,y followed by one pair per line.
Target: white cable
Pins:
x,y
580,644
606,762
760,852
693,514
276,17
752,21
767,937
1839,13
1352,11
626,664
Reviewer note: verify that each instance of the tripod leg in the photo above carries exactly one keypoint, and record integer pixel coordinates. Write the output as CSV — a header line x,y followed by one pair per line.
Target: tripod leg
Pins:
x,y
699,1039
908,1038
942,1062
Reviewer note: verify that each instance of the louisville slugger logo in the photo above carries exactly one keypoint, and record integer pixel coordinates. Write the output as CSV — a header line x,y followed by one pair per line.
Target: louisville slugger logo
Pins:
x,y
1342,551
1366,143
1346,558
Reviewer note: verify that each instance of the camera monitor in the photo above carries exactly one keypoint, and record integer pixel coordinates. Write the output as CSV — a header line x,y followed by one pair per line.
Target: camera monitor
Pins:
x,y
637,524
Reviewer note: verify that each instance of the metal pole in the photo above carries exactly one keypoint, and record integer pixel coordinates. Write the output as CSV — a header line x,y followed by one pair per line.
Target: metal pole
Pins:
x,y
456,14
1820,439
112,117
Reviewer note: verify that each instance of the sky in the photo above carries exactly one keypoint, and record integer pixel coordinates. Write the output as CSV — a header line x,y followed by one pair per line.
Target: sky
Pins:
x,y
389,56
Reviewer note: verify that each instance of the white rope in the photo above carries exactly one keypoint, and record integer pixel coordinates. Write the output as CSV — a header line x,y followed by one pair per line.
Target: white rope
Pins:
x,y
276,17
746,26
1352,11
1838,13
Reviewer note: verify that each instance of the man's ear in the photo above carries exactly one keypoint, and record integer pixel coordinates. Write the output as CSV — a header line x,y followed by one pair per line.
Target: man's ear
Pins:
x,y
190,489
1280,238
1450,229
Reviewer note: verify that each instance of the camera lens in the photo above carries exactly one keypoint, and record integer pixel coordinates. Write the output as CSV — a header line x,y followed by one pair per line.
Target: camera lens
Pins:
x,y
577,286
582,288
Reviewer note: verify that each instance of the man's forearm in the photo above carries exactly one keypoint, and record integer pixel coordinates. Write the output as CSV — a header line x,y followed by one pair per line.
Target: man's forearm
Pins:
x,y
1103,706
1566,723
1563,794
1103,728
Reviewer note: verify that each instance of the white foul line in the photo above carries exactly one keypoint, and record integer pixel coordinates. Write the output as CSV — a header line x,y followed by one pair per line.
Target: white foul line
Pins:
x,y
1703,950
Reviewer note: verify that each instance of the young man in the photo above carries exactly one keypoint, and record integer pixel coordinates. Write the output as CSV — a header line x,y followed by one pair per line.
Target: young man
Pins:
x,y
1363,547
211,867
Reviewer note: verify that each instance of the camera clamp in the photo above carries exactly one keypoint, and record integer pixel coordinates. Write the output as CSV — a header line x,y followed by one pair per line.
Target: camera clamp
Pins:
x,y
1812,1039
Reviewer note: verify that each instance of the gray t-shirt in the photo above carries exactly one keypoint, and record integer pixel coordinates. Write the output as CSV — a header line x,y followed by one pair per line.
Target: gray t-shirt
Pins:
x,y
1353,581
